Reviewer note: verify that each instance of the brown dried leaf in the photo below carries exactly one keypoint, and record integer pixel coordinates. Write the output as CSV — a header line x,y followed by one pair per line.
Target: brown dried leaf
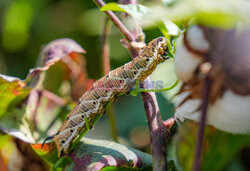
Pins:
x,y
65,50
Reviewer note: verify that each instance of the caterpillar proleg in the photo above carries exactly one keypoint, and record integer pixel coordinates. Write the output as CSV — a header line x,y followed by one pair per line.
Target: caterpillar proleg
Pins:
x,y
107,89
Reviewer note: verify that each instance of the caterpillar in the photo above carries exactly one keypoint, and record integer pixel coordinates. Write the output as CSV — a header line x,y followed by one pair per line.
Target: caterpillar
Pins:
x,y
107,89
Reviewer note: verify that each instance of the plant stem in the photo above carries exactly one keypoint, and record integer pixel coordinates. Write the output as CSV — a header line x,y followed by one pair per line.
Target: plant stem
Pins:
x,y
106,67
112,122
169,122
53,97
200,133
105,47
158,132
34,101
117,22
59,101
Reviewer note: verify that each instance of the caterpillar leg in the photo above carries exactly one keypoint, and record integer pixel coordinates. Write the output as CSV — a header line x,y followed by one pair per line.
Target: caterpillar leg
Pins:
x,y
87,128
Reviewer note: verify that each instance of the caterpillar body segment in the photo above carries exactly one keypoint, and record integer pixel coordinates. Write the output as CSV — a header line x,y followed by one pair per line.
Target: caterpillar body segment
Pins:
x,y
107,89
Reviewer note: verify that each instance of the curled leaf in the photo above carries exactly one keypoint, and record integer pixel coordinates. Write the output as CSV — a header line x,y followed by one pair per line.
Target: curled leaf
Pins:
x,y
63,69
55,51
58,49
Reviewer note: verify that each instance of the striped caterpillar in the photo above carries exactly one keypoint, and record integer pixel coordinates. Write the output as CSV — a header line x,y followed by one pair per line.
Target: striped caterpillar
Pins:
x,y
107,89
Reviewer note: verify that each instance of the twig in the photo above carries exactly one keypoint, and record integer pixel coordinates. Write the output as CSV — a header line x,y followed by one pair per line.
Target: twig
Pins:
x,y
158,131
105,47
117,22
106,63
112,122
33,104
59,101
169,122
200,133
53,97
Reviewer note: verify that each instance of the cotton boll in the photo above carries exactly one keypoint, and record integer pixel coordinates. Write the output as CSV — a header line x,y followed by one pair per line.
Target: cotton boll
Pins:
x,y
185,63
230,113
187,110
188,56
229,102
196,39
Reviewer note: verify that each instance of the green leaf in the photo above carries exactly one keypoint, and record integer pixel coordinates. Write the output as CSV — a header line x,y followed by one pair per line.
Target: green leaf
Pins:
x,y
4,140
170,28
112,6
16,124
97,154
170,167
12,92
172,32
137,11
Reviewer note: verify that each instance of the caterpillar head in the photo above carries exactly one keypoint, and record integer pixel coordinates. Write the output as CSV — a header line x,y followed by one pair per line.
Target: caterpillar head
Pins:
x,y
158,47
62,148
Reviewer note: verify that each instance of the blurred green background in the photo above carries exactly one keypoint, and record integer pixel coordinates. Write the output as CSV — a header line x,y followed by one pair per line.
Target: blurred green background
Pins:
x,y
27,25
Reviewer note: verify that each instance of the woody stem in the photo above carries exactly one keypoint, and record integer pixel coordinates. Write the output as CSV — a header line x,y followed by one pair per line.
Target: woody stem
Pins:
x,y
158,131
